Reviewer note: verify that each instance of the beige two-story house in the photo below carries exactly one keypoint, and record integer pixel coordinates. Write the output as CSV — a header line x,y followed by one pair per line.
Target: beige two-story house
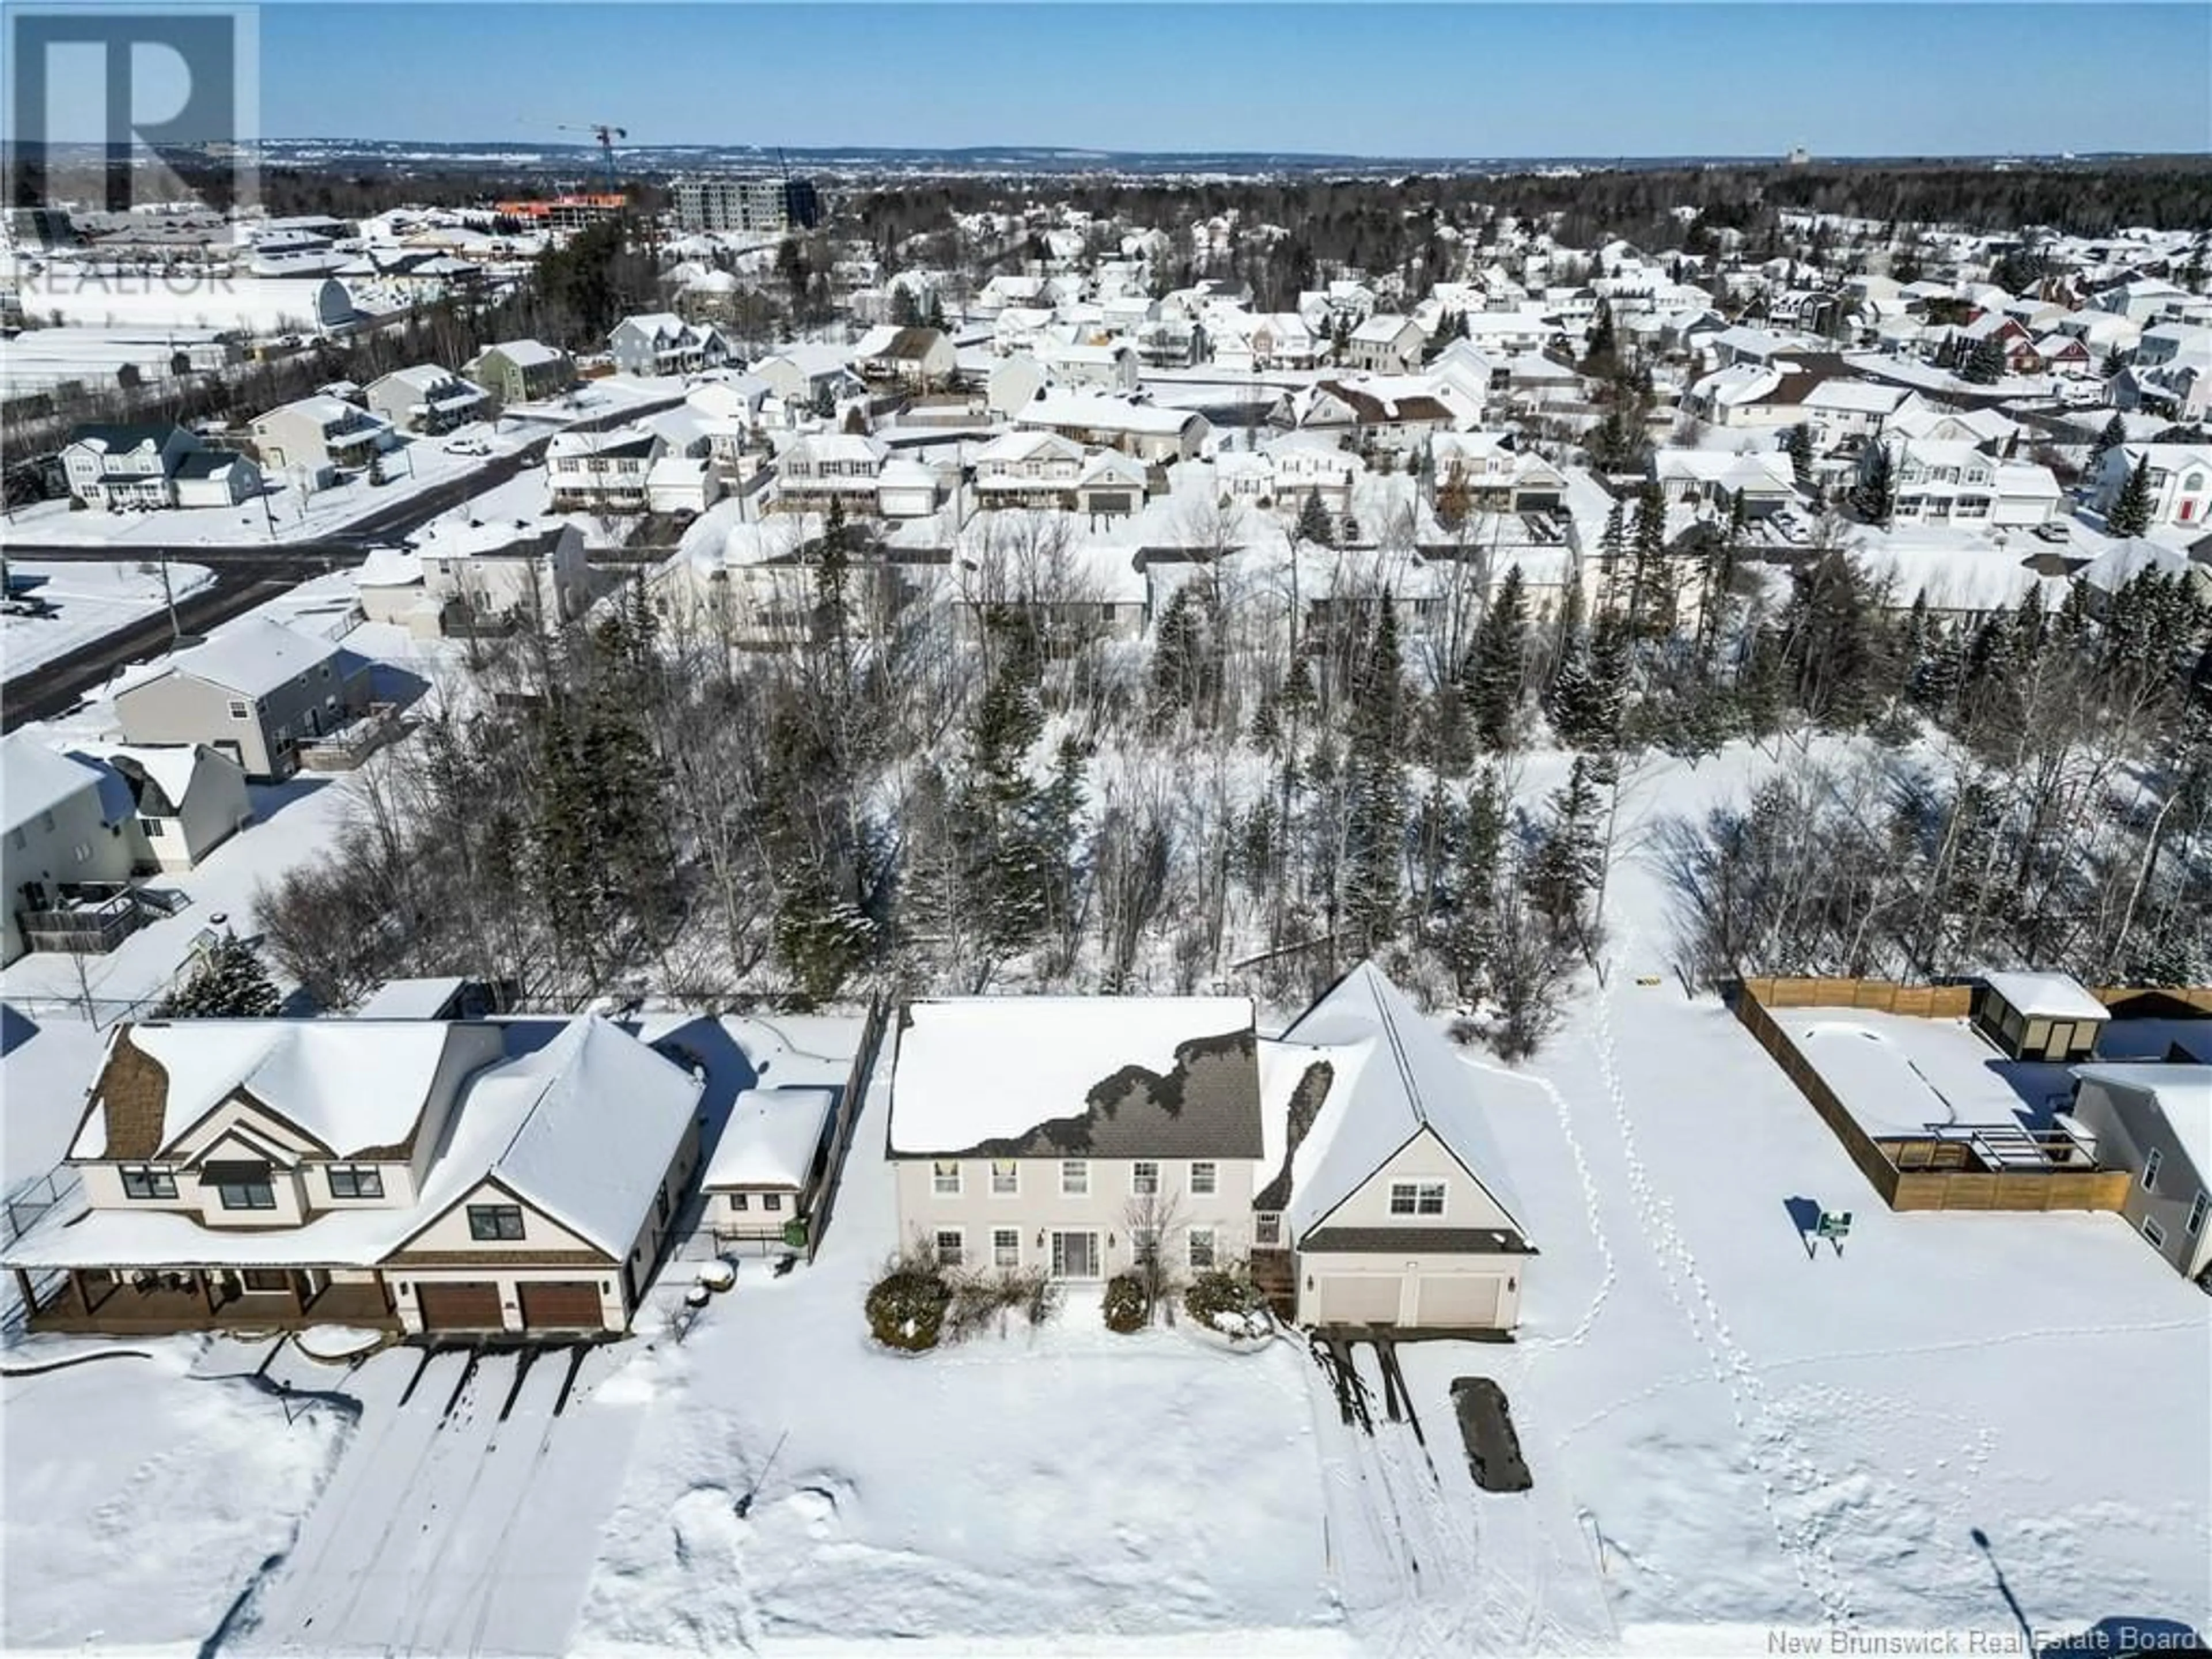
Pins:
x,y
256,691
422,1175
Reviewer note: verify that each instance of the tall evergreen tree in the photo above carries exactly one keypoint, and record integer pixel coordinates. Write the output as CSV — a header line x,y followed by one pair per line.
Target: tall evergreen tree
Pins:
x,y
1496,670
1797,444
1375,783
1873,496
2114,435
1314,526
229,983
1985,361
2131,511
1568,862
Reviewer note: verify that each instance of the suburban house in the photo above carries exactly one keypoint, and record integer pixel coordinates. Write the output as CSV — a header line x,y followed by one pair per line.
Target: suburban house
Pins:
x,y
768,1168
601,472
1845,414
1399,415
430,1176
319,433
64,850
1114,1129
425,398
154,464
1260,342
1146,431
1493,478
522,371
2156,1122
1941,482
1111,485
1105,367
1028,469
1384,344
186,797
1348,1160
916,359
807,373
256,691
846,467
1762,481
2180,477
661,343
1757,393
1301,464
464,575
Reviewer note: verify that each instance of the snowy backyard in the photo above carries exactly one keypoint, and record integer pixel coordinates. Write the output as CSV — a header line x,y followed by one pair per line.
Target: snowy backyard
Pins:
x,y
1726,1430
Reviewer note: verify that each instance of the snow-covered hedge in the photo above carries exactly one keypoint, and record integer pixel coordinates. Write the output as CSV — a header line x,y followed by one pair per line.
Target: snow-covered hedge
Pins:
x,y
1125,1303
906,1308
1229,1303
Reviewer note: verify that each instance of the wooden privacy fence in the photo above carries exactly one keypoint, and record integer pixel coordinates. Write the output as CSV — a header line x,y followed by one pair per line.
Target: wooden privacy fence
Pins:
x,y
1964,1184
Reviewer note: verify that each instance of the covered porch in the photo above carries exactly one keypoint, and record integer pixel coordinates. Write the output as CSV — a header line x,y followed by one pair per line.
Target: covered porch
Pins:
x,y
157,1302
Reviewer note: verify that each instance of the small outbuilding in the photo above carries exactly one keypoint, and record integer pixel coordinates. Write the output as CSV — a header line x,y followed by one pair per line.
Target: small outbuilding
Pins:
x,y
2043,1017
770,1163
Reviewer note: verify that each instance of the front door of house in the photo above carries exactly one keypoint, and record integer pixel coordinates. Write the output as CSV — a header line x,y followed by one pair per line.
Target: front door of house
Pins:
x,y
1075,1255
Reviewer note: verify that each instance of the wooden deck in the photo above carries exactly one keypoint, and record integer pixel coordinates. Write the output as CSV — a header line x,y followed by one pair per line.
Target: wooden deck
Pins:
x,y
121,1309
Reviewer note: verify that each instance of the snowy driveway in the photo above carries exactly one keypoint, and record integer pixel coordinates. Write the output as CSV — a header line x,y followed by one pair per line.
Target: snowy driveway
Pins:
x,y
468,1516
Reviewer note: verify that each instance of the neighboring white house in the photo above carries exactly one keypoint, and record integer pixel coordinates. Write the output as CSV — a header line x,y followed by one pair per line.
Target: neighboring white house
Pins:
x,y
462,572
2156,1122
154,465
1943,482
1844,413
1763,480
1385,345
919,359
1146,431
188,799
601,472
1027,469
2180,477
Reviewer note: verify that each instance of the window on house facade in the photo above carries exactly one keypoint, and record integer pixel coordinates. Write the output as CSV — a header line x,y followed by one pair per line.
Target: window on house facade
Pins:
x,y
2154,1232
738,1203
1267,1229
1205,1178
1005,1178
1200,1240
950,1245
247,1195
357,1180
1005,1247
1144,1245
1074,1178
2150,1169
772,1202
1144,1178
490,1223
945,1177
143,1181
154,829
46,822
240,710
1417,1198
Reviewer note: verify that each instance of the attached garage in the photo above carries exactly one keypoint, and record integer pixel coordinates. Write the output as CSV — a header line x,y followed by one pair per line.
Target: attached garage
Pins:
x,y
1357,1299
459,1305
1456,1301
562,1306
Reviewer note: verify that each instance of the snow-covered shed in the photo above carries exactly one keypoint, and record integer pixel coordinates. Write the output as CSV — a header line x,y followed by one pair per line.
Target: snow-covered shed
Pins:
x,y
2039,1015
769,1164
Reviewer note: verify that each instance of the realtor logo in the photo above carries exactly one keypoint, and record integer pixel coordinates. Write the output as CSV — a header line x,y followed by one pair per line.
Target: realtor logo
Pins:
x,y
125,108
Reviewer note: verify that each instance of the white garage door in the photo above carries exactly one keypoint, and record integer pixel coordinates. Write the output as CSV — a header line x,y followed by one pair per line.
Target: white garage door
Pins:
x,y
1357,1299
1458,1299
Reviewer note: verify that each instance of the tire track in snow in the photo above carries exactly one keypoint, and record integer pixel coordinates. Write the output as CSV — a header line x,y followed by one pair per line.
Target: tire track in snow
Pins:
x,y
1769,1444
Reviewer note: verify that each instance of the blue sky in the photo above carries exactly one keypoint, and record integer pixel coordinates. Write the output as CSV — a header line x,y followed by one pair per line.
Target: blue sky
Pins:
x,y
1446,80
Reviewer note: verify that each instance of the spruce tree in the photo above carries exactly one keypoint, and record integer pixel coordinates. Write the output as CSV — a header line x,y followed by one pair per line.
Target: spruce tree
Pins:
x,y
2130,511
1797,444
1375,781
1874,497
2114,435
1611,545
1496,670
1313,527
1985,362
1651,598
229,983
1568,862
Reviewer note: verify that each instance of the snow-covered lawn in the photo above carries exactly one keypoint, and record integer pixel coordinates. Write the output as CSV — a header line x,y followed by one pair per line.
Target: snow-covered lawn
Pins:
x,y
90,602
145,1496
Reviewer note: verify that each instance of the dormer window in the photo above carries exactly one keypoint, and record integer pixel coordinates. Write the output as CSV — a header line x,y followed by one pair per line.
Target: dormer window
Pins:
x,y
241,1186
357,1180
144,1180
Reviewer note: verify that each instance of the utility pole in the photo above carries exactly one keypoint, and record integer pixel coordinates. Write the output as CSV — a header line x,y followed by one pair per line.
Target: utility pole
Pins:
x,y
169,599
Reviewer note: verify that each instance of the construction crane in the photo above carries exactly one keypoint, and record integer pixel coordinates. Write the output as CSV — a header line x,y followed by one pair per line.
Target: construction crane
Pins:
x,y
606,134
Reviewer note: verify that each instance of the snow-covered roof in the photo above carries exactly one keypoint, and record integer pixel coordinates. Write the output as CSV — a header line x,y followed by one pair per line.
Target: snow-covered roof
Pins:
x,y
388,566
251,657
771,1138
35,777
1382,328
972,1070
410,998
601,1117
1105,413
2184,1094
1395,1075
2123,561
525,354
2047,996
350,1084
1862,396
171,766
